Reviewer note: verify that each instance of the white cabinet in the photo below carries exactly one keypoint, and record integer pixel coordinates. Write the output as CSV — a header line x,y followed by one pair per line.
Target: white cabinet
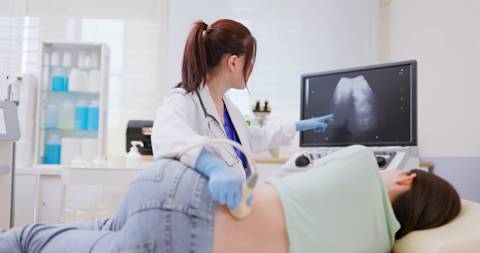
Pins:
x,y
72,101
24,199
50,199
38,196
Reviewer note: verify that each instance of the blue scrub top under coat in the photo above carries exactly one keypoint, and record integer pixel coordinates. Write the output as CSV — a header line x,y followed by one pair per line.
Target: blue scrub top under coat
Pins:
x,y
232,135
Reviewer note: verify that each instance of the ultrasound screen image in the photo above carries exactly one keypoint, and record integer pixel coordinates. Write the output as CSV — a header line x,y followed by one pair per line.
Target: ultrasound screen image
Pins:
x,y
375,106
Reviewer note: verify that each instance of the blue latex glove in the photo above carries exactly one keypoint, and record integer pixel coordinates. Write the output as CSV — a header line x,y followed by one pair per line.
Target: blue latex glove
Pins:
x,y
224,183
318,124
250,200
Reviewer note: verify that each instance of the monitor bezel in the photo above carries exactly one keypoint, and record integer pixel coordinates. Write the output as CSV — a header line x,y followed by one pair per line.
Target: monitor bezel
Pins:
x,y
11,122
412,142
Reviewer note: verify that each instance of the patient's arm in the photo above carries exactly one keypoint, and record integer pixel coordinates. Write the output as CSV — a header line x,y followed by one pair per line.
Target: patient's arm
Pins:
x,y
262,231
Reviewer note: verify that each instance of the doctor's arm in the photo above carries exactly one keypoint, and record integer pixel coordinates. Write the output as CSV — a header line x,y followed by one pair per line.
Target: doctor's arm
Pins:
x,y
317,124
263,138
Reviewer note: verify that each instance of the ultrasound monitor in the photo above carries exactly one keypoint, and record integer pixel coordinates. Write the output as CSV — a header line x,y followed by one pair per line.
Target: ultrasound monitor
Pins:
x,y
373,105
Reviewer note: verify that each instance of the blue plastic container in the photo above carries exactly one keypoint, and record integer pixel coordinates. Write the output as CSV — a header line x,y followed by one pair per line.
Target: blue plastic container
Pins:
x,y
52,150
59,80
66,84
81,115
93,113
58,83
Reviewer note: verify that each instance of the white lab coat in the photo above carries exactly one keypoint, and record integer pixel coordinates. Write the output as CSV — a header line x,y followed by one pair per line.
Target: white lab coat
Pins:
x,y
180,121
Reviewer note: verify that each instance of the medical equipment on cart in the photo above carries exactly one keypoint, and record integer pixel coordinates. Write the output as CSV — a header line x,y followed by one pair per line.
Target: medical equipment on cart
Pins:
x,y
375,106
9,133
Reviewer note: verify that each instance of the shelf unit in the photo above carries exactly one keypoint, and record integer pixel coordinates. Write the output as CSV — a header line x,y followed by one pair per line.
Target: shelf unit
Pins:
x,y
90,63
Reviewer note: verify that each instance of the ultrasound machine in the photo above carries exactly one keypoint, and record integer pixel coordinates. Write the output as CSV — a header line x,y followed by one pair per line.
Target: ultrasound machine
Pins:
x,y
375,106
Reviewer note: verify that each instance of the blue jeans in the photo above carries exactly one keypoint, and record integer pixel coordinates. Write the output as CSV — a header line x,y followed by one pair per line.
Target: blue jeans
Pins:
x,y
167,208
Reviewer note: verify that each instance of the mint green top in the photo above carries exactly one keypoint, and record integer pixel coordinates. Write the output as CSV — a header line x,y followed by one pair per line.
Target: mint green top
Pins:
x,y
340,205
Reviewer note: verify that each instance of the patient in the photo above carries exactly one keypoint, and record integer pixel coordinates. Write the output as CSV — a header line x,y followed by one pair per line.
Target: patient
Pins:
x,y
168,208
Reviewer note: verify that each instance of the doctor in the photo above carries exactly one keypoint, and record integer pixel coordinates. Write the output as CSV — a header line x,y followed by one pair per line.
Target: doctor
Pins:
x,y
217,57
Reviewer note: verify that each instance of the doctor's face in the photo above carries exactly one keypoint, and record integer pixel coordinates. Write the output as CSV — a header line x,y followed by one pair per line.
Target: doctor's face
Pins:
x,y
239,77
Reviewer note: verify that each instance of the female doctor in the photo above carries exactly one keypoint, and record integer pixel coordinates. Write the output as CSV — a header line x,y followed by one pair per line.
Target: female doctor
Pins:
x,y
217,57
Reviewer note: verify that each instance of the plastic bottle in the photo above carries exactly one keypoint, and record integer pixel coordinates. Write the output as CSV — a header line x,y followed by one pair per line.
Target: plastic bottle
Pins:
x,y
93,114
94,74
51,117
81,115
78,75
52,150
58,77
94,81
66,114
67,64
134,158
87,64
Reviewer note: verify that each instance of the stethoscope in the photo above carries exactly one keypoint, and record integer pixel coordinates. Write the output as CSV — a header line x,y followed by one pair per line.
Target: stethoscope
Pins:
x,y
217,131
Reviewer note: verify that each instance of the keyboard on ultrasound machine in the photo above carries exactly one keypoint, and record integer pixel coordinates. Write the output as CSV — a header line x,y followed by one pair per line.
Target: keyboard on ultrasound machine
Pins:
x,y
301,160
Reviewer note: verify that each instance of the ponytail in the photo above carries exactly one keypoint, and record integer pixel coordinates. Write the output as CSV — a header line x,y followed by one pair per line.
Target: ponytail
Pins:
x,y
206,45
194,67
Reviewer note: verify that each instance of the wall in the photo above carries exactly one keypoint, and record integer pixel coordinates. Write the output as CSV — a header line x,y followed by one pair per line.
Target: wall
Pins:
x,y
11,14
444,37
293,38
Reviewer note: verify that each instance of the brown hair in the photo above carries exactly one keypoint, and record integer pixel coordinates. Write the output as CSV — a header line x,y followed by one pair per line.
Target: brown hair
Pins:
x,y
206,45
430,203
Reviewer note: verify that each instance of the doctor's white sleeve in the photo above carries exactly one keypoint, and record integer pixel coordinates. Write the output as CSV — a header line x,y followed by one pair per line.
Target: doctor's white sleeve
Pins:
x,y
266,137
172,132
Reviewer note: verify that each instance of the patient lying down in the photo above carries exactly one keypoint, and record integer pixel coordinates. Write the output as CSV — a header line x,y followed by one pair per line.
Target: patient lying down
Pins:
x,y
343,205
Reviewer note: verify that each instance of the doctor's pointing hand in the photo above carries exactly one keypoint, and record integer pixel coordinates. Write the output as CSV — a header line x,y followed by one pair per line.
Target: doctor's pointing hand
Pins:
x,y
217,57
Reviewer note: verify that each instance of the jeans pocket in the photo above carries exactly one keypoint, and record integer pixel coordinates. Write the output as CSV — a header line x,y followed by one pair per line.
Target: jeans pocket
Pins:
x,y
145,247
154,173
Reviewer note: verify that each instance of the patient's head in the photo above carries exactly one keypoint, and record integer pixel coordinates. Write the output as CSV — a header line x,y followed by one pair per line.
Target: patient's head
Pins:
x,y
420,200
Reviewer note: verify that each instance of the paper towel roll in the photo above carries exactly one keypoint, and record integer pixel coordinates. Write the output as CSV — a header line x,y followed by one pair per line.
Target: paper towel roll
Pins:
x,y
71,147
89,148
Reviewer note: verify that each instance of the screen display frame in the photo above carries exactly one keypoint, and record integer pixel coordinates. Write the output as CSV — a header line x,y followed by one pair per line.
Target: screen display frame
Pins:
x,y
413,89
3,125
12,125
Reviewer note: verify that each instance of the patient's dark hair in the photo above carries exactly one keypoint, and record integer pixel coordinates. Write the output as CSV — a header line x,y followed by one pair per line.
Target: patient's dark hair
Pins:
x,y
430,203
